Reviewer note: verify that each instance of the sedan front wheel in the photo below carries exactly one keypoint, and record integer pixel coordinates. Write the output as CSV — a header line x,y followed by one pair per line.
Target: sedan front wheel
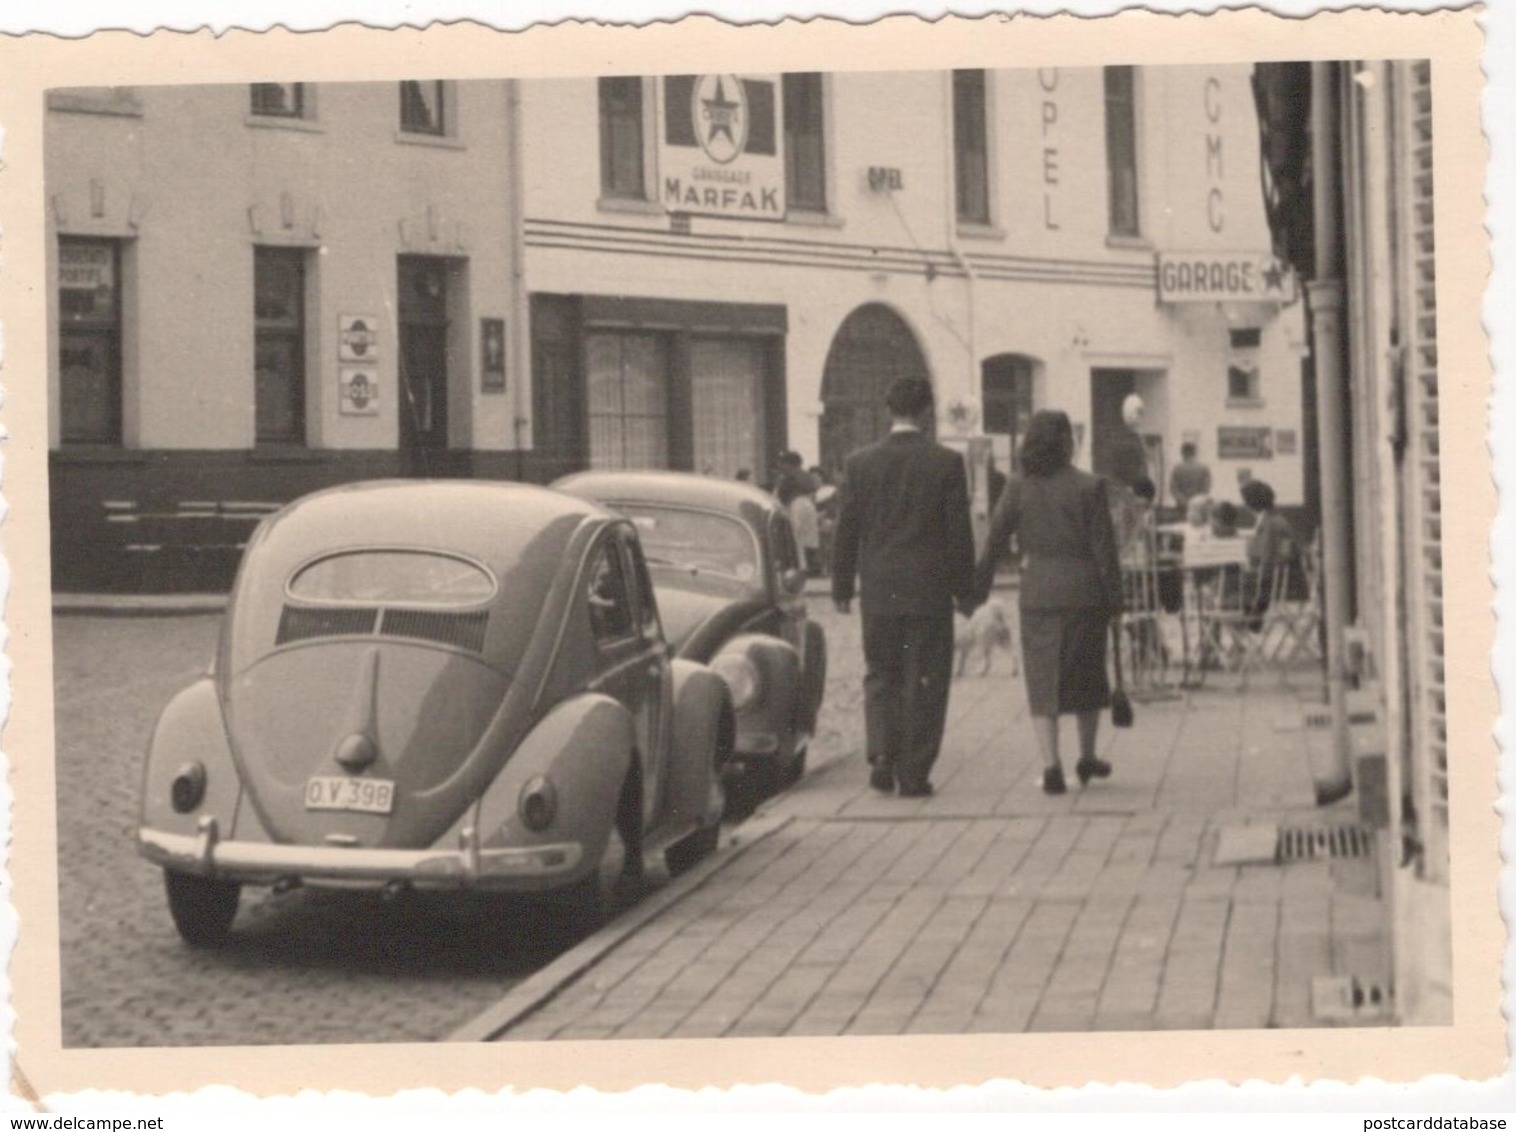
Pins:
x,y
203,907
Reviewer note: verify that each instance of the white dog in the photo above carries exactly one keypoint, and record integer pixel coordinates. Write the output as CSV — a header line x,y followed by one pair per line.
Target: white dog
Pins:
x,y
983,633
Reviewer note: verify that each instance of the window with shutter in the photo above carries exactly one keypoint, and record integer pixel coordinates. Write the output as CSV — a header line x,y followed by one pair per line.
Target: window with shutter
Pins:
x,y
1429,766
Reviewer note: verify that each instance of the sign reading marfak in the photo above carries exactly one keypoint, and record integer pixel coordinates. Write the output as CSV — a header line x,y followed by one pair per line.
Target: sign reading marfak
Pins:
x,y
720,154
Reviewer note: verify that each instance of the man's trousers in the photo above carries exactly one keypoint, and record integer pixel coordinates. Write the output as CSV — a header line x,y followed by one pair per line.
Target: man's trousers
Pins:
x,y
908,661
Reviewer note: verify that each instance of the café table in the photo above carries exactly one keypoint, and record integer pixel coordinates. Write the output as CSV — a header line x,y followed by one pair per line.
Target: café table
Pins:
x,y
1201,561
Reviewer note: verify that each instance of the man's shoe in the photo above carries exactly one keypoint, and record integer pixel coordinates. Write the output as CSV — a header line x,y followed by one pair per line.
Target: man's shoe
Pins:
x,y
917,790
882,779
1052,781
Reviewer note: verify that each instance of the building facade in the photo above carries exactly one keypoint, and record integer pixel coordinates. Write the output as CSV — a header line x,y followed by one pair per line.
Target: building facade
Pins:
x,y
261,290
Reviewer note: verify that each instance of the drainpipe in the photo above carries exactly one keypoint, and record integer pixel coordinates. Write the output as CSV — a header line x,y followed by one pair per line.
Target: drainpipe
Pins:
x,y
979,504
518,346
1332,774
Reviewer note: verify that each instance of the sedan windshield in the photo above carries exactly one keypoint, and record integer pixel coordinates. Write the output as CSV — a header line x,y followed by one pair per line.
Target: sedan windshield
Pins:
x,y
699,541
393,577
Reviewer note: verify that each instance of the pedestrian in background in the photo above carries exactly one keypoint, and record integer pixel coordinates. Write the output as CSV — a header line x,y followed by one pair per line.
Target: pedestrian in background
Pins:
x,y
1190,479
904,533
1070,590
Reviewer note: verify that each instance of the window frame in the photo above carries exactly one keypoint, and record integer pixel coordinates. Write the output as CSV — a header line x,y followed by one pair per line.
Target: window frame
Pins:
x,y
300,113
294,336
962,155
1127,103
608,551
794,201
446,112
611,190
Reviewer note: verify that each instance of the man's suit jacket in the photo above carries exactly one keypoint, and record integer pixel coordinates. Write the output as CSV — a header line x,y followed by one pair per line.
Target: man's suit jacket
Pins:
x,y
904,528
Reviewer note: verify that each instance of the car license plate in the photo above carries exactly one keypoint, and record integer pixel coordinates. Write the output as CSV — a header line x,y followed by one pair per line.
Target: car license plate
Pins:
x,y
338,792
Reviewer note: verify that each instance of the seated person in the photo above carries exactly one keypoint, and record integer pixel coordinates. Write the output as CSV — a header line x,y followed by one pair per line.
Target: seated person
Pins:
x,y
1272,542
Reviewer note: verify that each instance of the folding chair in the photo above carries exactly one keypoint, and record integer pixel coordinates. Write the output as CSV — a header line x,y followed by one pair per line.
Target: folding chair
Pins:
x,y
1294,616
1229,624
1146,656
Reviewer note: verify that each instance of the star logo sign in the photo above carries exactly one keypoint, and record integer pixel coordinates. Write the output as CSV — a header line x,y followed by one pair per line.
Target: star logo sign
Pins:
x,y
1273,277
721,115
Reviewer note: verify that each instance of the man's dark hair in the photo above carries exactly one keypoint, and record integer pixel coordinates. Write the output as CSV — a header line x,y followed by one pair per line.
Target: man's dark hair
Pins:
x,y
1187,449
909,396
1258,496
1049,443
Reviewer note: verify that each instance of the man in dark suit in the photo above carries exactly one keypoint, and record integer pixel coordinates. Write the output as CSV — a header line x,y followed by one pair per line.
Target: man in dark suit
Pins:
x,y
904,531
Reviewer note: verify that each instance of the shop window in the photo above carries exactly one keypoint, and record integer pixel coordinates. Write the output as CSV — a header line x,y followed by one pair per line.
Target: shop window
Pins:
x,y
424,109
804,143
628,402
727,379
89,341
278,100
971,147
622,163
1121,149
279,345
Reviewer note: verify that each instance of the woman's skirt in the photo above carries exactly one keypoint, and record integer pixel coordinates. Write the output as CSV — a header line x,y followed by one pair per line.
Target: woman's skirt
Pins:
x,y
1063,656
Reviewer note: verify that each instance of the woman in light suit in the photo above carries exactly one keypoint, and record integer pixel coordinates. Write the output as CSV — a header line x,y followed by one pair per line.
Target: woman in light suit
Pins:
x,y
1070,589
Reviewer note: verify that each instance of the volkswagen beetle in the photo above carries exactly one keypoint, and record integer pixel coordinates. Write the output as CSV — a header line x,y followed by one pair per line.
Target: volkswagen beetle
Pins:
x,y
726,569
457,685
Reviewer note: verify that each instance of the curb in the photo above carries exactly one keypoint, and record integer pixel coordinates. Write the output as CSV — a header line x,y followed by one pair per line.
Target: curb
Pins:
x,y
545,985
137,605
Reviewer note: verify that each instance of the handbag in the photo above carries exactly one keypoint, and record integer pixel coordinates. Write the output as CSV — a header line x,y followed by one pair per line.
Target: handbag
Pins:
x,y
1121,704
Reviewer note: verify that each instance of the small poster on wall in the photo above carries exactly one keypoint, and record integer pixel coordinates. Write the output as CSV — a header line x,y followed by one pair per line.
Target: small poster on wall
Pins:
x,y
358,389
492,355
1244,443
357,338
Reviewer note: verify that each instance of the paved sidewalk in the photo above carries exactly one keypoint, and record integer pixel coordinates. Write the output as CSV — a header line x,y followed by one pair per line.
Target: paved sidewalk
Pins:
x,y
992,907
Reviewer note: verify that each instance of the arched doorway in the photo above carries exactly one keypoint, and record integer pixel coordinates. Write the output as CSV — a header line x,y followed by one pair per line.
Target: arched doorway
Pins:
x,y
873,347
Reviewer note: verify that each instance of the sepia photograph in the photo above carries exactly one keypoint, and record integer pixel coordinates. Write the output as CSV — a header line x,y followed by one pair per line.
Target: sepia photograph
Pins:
x,y
957,544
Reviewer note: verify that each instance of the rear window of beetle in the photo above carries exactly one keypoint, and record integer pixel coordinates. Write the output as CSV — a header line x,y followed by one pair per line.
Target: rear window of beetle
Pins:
x,y
393,577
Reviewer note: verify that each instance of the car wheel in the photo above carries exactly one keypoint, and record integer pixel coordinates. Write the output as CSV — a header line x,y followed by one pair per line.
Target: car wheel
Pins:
x,y
203,907
687,852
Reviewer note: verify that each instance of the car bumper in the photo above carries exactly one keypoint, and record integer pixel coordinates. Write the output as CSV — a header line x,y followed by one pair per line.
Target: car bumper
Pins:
x,y
469,866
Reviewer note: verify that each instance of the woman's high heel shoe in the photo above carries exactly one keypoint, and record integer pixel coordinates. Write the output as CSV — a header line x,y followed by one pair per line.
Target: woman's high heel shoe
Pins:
x,y
1090,768
1052,781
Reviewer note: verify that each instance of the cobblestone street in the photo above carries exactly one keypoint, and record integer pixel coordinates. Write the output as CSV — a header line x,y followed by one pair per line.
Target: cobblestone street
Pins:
x,y
302,967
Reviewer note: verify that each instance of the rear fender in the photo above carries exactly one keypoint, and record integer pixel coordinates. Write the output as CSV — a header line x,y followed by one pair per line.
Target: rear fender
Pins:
x,y
583,747
190,730
703,734
773,714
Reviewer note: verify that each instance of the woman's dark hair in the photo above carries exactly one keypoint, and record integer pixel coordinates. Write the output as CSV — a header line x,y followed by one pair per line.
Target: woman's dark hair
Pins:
x,y
1258,496
1145,490
1049,443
